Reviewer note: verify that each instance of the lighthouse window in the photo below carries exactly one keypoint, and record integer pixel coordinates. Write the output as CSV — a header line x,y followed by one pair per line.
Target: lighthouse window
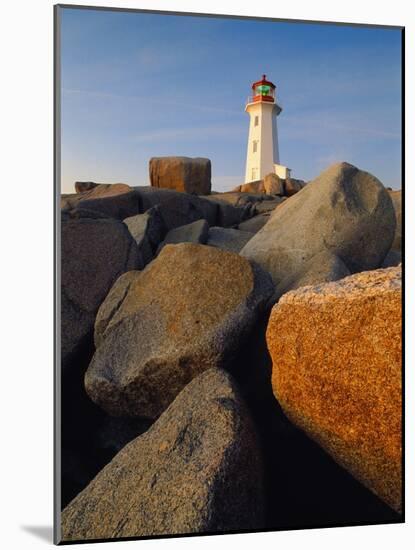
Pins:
x,y
256,121
255,146
263,89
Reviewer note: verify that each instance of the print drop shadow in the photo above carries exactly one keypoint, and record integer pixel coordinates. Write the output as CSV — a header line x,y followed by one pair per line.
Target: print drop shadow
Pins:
x,y
42,532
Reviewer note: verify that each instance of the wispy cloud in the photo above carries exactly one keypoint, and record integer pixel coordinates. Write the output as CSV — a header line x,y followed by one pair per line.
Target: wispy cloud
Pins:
x,y
199,132
150,100
367,131
323,125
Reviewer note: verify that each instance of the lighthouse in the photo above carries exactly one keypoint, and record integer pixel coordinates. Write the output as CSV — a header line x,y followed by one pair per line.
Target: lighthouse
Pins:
x,y
262,156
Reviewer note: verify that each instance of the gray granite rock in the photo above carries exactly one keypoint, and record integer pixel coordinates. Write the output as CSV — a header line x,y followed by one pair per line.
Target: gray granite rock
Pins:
x,y
196,232
237,198
116,200
345,211
148,230
232,240
94,254
253,225
393,258
324,267
112,303
183,209
186,312
396,197
198,469
268,206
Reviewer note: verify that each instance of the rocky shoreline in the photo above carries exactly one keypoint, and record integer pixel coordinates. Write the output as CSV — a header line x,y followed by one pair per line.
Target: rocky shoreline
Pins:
x,y
230,361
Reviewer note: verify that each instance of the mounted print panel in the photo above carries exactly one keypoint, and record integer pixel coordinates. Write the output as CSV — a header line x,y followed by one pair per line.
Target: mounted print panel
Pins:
x,y
229,266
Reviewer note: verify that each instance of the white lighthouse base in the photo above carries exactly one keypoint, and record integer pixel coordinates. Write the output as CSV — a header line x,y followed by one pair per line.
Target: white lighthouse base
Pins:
x,y
282,171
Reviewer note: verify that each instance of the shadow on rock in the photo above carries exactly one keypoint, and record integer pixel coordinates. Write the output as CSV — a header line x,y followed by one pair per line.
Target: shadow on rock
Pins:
x,y
90,437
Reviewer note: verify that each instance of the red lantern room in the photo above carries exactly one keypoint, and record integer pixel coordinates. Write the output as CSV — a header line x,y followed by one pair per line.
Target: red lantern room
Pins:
x,y
263,90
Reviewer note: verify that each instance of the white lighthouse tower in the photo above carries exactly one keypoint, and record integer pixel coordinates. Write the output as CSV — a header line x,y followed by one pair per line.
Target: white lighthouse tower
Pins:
x,y
263,155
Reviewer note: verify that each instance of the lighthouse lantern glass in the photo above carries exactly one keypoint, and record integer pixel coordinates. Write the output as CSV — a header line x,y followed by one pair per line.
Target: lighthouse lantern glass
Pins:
x,y
264,90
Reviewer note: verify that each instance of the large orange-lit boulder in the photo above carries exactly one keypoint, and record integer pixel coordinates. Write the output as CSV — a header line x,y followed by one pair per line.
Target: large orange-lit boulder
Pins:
x,y
256,186
293,186
273,185
336,353
184,174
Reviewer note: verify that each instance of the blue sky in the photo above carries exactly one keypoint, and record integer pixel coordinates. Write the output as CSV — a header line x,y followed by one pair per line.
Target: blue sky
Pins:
x,y
137,85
